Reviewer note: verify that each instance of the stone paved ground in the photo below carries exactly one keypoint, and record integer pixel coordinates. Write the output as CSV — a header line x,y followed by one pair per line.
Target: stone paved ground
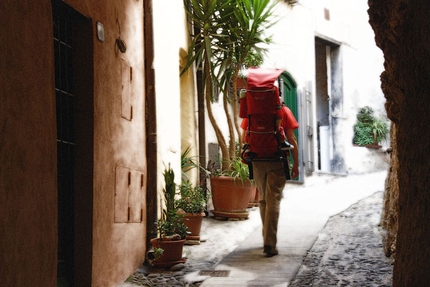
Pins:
x,y
348,251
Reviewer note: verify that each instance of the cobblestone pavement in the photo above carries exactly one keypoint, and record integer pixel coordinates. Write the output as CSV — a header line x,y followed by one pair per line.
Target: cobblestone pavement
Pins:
x,y
349,252
176,276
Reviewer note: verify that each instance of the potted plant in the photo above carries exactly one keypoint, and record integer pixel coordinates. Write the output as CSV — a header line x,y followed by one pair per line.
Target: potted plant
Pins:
x,y
191,204
170,228
232,190
380,130
226,36
192,200
369,130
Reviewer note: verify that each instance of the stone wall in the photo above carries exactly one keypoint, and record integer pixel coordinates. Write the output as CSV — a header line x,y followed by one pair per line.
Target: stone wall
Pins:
x,y
401,31
391,198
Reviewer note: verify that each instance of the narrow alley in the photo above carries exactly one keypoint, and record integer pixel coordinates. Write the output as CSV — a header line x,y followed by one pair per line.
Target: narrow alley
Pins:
x,y
328,235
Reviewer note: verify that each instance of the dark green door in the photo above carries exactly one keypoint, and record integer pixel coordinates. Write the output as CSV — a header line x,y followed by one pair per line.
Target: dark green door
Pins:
x,y
288,89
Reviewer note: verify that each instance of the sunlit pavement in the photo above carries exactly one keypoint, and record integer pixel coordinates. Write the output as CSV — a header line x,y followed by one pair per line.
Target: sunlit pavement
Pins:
x,y
328,235
305,210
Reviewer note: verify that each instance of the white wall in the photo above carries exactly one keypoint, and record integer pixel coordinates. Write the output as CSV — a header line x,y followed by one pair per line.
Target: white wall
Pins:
x,y
170,37
293,49
362,63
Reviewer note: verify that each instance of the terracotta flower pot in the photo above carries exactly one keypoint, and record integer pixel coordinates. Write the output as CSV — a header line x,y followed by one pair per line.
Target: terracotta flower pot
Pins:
x,y
231,197
194,223
172,253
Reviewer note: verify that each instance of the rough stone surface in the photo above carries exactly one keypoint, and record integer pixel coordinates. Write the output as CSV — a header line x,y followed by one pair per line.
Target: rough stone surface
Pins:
x,y
391,199
401,32
349,250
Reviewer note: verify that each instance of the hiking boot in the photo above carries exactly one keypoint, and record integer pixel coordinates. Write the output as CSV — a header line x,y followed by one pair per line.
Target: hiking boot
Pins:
x,y
270,251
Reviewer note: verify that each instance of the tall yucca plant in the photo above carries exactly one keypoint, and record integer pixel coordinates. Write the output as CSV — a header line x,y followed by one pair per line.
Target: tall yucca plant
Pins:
x,y
225,33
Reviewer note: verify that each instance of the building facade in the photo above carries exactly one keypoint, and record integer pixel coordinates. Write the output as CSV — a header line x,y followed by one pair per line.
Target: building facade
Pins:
x,y
331,69
93,108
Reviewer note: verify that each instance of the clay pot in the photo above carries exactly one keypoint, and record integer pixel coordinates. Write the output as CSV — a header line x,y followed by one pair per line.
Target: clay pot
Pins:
x,y
231,197
194,223
172,252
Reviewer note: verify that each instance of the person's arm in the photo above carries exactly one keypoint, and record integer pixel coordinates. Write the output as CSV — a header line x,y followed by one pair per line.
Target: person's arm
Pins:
x,y
244,127
295,152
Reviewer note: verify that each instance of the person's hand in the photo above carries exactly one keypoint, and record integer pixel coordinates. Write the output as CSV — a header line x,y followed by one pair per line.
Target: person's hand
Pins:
x,y
295,171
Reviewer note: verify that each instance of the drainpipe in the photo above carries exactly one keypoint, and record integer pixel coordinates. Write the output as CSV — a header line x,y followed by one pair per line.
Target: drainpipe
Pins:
x,y
201,134
151,126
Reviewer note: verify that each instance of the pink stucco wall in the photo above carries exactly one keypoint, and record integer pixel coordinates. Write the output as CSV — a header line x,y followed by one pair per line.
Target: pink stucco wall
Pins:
x,y
111,204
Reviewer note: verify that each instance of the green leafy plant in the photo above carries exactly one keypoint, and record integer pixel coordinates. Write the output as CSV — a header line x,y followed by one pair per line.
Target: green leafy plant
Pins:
x,y
158,252
380,130
192,198
188,163
370,130
237,170
365,115
170,225
363,134
225,36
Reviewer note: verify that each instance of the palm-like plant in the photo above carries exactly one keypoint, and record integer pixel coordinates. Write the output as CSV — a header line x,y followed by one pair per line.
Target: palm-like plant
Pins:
x,y
225,34
369,129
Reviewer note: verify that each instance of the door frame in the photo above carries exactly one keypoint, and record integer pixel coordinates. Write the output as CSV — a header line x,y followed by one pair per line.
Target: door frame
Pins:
x,y
81,81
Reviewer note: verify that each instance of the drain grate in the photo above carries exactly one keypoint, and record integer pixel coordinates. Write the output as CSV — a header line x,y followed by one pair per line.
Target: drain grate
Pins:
x,y
215,273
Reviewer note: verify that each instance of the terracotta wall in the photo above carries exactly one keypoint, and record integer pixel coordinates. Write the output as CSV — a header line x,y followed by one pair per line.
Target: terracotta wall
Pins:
x,y
28,184
27,161
118,242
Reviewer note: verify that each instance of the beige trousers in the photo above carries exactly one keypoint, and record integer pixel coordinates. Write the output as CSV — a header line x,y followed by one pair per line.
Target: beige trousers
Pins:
x,y
270,180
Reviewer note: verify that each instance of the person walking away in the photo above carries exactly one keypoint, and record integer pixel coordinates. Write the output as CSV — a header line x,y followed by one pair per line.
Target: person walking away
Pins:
x,y
269,177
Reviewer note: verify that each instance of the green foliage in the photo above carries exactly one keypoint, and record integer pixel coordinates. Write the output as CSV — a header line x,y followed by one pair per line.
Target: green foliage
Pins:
x,y
188,163
365,115
158,252
363,134
226,35
253,59
370,130
237,170
169,190
193,199
171,222
380,130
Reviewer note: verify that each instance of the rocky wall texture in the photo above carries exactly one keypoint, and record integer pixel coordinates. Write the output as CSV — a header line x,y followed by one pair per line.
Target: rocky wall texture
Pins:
x,y
389,215
402,33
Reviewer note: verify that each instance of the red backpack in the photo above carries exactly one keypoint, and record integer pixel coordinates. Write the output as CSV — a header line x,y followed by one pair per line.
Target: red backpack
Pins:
x,y
260,105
